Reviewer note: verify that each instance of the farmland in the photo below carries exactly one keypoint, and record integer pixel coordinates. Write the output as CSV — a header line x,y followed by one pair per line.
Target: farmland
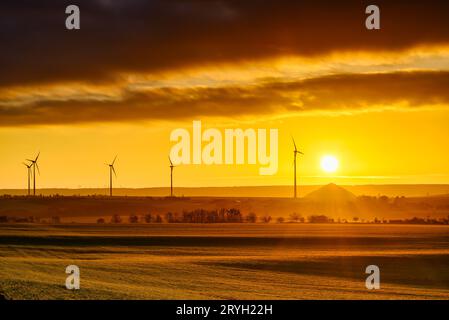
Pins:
x,y
223,261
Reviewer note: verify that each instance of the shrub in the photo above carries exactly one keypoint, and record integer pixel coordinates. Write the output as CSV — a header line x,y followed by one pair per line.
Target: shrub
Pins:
x,y
116,219
266,219
148,218
251,217
320,219
294,217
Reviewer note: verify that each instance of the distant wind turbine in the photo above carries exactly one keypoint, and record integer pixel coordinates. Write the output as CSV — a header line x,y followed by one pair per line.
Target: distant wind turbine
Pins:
x,y
29,175
111,169
171,177
295,152
35,165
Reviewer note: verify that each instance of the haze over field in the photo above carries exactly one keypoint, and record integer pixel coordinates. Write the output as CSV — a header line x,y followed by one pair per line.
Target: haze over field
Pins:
x,y
335,202
410,190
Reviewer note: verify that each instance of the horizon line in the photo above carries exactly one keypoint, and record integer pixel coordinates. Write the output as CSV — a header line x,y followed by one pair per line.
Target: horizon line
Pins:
x,y
240,186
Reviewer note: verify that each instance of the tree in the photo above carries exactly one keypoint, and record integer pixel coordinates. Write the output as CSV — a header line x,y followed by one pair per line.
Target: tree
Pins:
x,y
233,215
251,217
355,219
133,219
266,219
116,219
147,218
320,219
158,219
100,220
280,220
294,217
222,215
170,217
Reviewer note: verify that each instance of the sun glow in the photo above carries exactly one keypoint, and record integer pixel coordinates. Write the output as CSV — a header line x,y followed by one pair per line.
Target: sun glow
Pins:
x,y
329,163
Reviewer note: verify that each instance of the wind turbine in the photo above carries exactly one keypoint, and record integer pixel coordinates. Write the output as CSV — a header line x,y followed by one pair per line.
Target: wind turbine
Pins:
x,y
29,175
35,165
171,177
295,152
111,169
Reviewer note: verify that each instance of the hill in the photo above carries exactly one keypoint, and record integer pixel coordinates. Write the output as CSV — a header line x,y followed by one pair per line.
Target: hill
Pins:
x,y
333,201
331,193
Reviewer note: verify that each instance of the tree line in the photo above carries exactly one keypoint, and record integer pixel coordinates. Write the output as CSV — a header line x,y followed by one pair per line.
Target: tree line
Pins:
x,y
223,215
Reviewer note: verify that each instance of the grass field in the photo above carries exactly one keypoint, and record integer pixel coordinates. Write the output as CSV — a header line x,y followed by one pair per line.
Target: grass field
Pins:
x,y
224,261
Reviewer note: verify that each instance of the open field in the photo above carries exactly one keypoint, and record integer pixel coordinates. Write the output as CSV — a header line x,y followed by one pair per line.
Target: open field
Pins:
x,y
224,261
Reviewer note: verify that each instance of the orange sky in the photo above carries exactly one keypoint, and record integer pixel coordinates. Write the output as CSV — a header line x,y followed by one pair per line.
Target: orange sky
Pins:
x,y
381,110
372,147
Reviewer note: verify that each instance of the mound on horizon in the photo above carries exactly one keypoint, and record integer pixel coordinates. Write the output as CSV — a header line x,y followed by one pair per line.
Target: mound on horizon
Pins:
x,y
333,201
331,193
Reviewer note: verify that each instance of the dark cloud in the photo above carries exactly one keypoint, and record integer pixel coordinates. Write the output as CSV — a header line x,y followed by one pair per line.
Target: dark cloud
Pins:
x,y
149,36
347,92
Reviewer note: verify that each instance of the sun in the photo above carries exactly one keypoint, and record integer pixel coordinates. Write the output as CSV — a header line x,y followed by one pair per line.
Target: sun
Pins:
x,y
329,163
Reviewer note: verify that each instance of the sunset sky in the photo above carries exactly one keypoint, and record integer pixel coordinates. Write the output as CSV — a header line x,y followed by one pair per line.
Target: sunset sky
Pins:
x,y
378,101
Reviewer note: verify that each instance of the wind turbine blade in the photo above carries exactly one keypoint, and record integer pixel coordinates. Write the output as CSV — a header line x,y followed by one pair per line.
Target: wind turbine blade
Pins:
x,y
37,167
296,149
114,160
300,152
113,170
37,157
29,160
171,163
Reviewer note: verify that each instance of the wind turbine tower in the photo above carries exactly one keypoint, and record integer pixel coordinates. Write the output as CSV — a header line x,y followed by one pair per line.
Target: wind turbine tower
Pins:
x,y
29,176
295,153
111,170
34,165
171,177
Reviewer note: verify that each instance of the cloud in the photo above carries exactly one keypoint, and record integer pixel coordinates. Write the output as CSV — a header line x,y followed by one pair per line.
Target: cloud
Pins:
x,y
136,36
335,93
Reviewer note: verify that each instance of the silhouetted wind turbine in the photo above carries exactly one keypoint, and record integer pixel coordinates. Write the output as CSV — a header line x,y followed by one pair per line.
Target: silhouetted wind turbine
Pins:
x,y
171,177
295,152
35,165
111,169
29,175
